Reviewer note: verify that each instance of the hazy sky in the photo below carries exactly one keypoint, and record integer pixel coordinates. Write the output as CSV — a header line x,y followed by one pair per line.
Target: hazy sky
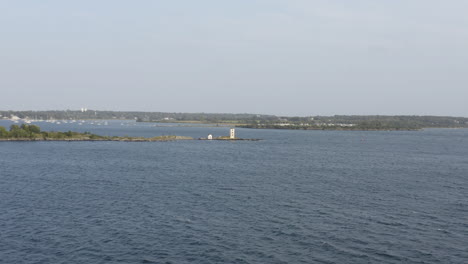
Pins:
x,y
284,57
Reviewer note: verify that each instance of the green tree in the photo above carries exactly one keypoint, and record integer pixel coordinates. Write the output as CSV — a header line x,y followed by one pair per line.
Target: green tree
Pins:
x,y
34,129
25,127
3,132
14,127
19,133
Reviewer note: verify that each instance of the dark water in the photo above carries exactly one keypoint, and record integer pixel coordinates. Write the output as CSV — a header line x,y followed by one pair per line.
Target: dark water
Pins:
x,y
295,197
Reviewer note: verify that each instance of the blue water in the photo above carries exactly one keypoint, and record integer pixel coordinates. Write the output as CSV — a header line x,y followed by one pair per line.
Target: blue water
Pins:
x,y
294,197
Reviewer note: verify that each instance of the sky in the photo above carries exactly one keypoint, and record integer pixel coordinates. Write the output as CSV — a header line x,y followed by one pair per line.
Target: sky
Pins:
x,y
281,57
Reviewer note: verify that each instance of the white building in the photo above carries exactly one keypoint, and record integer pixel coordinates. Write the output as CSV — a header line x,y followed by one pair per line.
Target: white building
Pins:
x,y
210,137
232,135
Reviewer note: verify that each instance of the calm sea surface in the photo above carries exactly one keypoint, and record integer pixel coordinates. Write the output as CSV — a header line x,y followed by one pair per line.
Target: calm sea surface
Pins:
x,y
294,197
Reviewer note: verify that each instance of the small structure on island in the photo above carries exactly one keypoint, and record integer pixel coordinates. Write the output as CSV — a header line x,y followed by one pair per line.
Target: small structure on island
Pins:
x,y
210,137
232,134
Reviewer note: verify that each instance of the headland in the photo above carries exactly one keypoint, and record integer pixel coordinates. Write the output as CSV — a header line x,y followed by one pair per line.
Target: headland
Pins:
x,y
27,132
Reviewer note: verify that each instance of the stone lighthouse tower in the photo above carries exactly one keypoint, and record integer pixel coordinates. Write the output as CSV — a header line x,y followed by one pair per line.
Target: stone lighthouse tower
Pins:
x,y
232,134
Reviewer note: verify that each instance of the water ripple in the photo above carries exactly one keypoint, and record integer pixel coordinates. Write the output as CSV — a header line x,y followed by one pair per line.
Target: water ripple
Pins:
x,y
294,198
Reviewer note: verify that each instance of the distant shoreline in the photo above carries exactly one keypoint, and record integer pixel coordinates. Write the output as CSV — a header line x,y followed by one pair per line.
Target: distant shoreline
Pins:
x,y
331,123
312,122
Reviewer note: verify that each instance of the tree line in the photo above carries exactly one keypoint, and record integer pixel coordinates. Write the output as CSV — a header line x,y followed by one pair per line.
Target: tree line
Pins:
x,y
26,131
368,122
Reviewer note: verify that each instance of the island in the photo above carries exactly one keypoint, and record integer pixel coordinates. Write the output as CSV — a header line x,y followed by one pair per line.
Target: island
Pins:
x,y
26,132
231,139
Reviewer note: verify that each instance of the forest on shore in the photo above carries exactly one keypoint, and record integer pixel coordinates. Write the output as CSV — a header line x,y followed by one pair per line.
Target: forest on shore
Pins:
x,y
336,122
